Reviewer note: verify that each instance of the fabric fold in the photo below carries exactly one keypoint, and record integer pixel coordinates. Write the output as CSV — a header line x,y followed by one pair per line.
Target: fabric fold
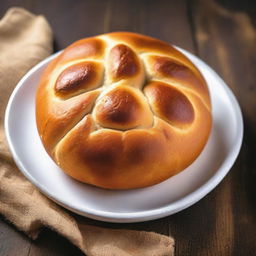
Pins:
x,y
26,39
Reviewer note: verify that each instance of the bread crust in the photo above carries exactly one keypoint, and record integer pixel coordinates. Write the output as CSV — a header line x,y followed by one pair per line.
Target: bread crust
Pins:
x,y
122,110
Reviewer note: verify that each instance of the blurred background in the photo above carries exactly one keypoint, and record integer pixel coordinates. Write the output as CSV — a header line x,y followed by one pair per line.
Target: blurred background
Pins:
x,y
223,34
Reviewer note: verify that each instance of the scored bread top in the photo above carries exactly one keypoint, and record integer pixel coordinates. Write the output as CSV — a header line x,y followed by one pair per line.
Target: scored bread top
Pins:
x,y
122,110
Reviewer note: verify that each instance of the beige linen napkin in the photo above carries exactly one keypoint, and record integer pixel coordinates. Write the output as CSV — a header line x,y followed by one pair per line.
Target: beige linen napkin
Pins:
x,y
25,39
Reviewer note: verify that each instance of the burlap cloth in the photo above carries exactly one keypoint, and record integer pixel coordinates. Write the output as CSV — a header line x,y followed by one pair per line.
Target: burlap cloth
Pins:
x,y
26,39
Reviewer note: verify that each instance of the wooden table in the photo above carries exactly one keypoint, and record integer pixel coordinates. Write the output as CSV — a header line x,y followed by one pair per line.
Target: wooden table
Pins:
x,y
223,34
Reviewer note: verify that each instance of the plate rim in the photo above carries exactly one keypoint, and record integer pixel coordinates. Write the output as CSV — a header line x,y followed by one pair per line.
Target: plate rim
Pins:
x,y
146,215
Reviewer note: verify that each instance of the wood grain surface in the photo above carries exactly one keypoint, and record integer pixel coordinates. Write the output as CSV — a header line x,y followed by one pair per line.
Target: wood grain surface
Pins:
x,y
223,34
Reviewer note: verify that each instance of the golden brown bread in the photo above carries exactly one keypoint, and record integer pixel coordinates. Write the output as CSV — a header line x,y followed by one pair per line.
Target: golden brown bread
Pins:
x,y
122,110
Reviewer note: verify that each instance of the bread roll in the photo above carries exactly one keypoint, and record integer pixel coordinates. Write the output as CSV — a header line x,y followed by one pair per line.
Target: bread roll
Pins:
x,y
122,111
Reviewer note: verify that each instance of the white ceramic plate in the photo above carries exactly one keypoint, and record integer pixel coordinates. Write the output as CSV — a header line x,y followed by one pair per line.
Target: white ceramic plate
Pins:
x,y
166,198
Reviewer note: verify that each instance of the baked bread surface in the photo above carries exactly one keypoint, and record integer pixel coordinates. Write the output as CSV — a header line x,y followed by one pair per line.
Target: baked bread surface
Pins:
x,y
122,110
